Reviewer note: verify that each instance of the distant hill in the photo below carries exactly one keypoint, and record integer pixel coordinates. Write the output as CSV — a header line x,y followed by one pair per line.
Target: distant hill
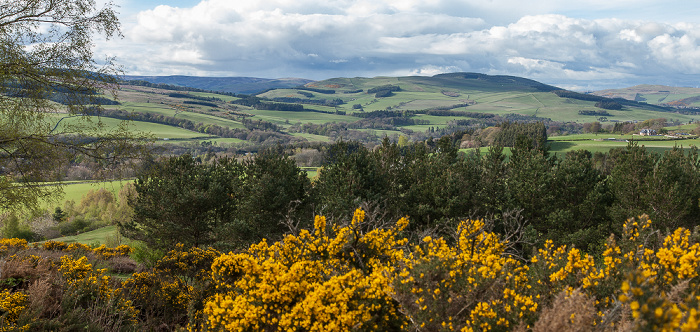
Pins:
x,y
472,92
457,81
657,95
245,85
368,109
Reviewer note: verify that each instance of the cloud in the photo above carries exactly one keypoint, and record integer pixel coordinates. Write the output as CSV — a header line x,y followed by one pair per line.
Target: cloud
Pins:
x,y
283,38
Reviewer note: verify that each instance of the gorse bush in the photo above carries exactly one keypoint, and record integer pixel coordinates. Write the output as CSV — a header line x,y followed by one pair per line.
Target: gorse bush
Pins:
x,y
333,278
340,278
172,293
56,286
364,275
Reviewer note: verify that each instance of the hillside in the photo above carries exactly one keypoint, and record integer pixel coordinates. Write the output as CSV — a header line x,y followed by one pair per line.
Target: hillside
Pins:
x,y
479,93
364,109
657,95
223,84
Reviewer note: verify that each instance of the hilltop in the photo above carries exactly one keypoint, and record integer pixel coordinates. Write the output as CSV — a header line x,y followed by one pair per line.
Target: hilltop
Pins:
x,y
657,95
223,84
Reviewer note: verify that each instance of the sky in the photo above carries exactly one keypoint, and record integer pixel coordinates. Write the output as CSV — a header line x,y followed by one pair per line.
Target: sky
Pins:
x,y
583,45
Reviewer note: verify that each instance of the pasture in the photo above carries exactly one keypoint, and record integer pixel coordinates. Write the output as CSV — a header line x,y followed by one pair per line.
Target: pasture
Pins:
x,y
485,94
76,190
103,235
604,145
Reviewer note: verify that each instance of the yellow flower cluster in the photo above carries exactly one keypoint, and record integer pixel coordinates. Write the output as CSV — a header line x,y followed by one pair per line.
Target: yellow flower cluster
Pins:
x,y
169,289
469,286
83,288
148,287
647,270
79,273
677,257
101,251
194,263
91,286
12,305
107,253
7,245
565,269
653,310
341,278
655,274
333,279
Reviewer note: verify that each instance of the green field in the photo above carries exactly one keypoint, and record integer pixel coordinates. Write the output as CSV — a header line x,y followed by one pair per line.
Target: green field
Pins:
x,y
605,146
96,237
109,124
500,95
288,118
165,109
688,127
656,94
312,137
577,137
311,172
76,190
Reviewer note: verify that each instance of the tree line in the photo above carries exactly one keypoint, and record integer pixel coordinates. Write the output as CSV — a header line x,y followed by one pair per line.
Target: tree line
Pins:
x,y
579,198
249,133
173,87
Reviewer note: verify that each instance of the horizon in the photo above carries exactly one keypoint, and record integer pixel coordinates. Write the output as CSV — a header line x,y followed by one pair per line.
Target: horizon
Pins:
x,y
587,46
374,77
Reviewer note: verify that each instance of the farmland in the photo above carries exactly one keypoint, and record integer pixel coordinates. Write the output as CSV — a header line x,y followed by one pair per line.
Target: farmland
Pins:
x,y
190,210
339,102
471,94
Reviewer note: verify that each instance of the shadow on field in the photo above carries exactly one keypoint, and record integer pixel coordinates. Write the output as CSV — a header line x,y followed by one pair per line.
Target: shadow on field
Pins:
x,y
558,146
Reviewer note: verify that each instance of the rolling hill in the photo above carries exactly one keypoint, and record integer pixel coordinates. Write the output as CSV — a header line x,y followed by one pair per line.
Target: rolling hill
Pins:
x,y
223,84
365,109
657,95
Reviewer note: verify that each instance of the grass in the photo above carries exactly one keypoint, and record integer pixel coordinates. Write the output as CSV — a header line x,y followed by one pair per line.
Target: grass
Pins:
x,y
288,118
96,237
311,172
658,146
76,190
156,129
578,137
417,93
688,127
312,137
166,110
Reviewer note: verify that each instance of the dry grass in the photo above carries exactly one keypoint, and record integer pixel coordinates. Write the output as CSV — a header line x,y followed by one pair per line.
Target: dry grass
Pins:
x,y
44,298
122,265
573,313
21,266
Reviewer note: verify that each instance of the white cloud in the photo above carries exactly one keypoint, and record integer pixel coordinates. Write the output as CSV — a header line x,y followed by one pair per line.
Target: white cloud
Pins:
x,y
283,38
431,70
